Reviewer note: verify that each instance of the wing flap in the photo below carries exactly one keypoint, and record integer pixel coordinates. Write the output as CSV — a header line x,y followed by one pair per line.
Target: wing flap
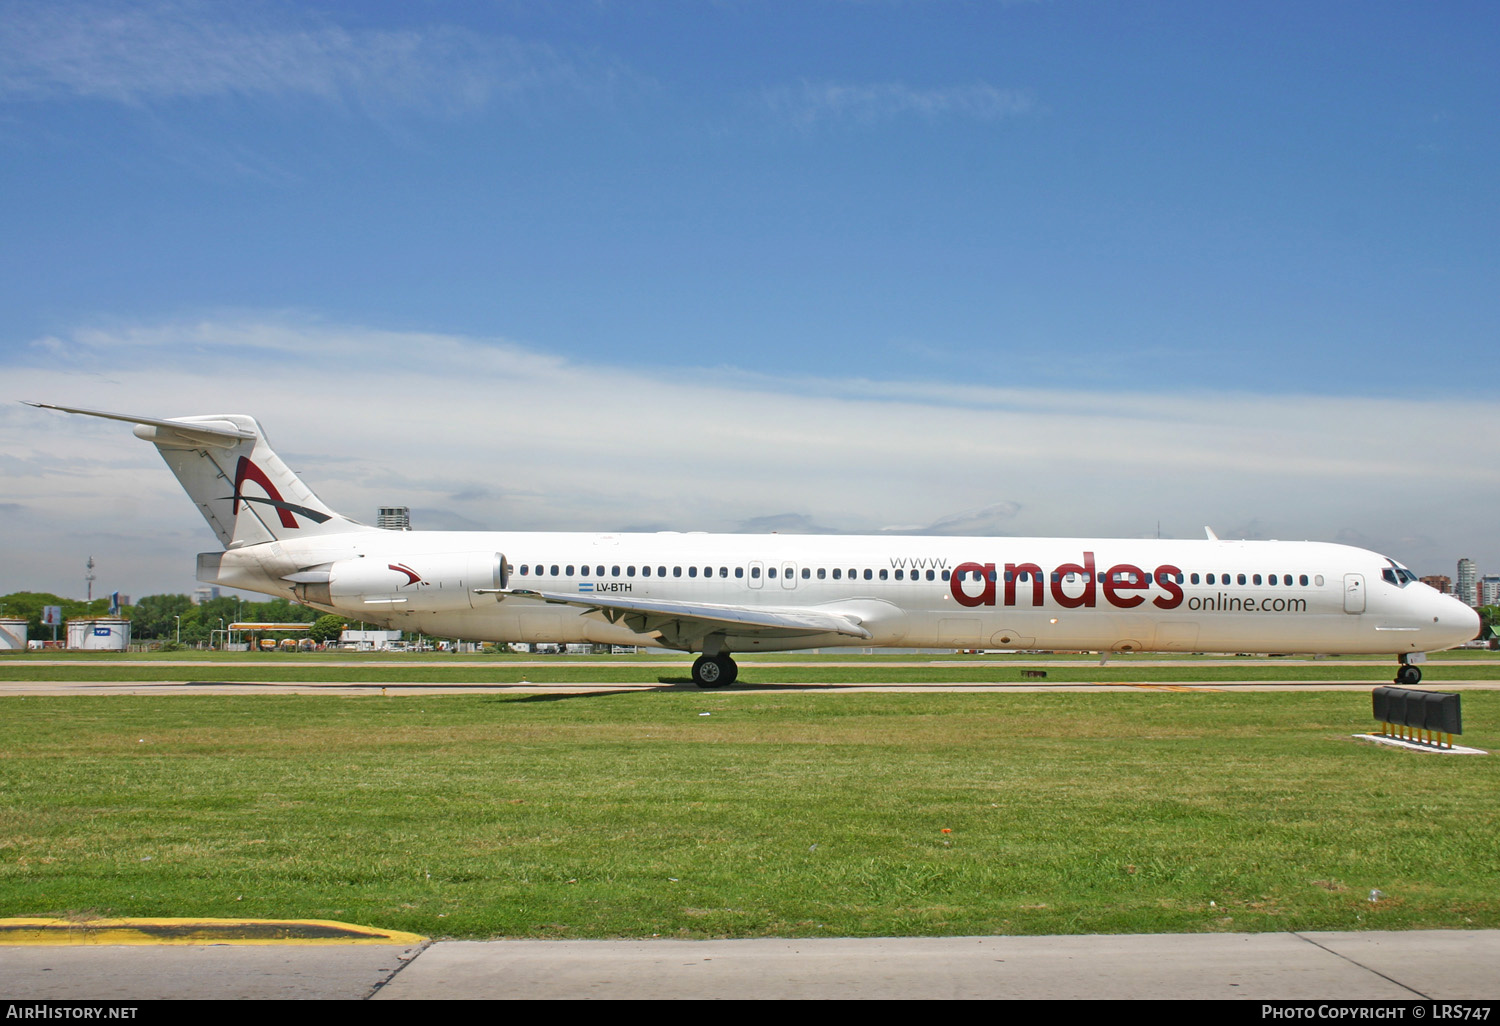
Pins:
x,y
644,616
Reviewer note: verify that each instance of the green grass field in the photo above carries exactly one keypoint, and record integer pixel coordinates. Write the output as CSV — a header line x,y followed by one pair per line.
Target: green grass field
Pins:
x,y
778,814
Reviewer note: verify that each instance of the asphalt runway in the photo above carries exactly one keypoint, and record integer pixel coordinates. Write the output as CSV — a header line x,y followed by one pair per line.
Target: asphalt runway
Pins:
x,y
359,688
209,678
1396,967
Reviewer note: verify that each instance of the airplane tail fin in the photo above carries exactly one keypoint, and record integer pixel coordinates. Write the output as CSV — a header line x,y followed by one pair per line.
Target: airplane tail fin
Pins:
x,y
239,484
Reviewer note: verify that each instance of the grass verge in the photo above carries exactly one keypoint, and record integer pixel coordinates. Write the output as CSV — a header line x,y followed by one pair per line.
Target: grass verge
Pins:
x,y
630,815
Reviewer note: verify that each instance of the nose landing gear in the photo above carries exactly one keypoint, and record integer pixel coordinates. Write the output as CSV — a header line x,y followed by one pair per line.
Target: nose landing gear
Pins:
x,y
1408,675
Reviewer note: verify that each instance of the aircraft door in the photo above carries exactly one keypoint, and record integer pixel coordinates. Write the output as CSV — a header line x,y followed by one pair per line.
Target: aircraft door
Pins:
x,y
1354,593
757,573
789,575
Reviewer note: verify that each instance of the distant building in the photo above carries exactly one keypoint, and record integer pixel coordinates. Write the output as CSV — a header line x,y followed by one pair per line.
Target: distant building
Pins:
x,y
207,593
1442,582
1467,587
394,518
1489,590
370,641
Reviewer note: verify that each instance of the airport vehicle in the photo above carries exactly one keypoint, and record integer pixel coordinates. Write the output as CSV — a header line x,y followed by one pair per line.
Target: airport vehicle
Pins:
x,y
718,594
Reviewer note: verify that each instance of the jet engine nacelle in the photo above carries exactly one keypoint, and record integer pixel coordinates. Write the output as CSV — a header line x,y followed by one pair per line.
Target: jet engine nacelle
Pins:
x,y
435,582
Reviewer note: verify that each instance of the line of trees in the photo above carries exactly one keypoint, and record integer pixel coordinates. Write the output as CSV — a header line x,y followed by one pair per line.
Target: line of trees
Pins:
x,y
162,617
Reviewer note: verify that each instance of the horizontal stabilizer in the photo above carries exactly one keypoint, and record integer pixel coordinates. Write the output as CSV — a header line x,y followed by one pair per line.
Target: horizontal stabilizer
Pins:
x,y
245,492
221,432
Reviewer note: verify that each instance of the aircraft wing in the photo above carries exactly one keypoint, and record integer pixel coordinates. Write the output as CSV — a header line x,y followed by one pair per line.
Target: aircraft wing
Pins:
x,y
678,621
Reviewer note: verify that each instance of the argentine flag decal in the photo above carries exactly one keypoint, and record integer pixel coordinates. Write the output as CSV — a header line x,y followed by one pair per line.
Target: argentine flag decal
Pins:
x,y
586,586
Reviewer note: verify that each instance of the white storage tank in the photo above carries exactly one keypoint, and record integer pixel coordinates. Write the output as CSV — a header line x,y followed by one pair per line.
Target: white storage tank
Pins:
x,y
107,634
12,635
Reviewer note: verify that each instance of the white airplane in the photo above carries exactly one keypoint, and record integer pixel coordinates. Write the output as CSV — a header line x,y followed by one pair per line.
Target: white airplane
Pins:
x,y
717,594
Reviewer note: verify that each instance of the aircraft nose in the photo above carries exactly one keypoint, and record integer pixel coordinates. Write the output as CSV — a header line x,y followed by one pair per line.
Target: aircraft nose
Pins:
x,y
1458,619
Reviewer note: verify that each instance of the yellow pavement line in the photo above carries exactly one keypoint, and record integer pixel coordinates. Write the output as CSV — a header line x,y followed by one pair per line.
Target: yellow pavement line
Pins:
x,y
196,931
1172,687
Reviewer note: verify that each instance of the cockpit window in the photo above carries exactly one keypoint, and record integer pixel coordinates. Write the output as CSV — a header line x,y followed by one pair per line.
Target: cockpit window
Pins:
x,y
1397,574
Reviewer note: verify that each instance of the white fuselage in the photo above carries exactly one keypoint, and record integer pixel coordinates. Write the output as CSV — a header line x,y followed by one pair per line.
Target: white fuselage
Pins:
x,y
723,593
914,591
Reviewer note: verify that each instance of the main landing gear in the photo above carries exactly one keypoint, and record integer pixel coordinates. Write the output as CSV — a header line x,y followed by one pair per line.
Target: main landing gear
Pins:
x,y
1408,675
715,671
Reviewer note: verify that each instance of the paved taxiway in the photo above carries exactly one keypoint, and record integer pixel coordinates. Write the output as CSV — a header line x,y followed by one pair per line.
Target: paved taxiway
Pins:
x,y
356,688
236,676
1437,965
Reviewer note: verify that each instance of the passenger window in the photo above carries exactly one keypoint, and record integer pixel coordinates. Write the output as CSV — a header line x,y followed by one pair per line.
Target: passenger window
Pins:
x,y
771,572
755,573
885,575
822,573
645,571
868,575
1318,580
723,571
1286,580
554,570
1241,578
692,571
1271,580
806,573
598,571
1302,580
739,571
677,571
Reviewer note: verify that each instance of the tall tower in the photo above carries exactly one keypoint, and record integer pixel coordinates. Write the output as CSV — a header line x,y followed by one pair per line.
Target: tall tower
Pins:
x,y
394,518
89,578
1489,590
1466,587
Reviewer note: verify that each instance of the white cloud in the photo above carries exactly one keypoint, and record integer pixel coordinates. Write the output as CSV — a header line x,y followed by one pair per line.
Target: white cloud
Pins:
x,y
866,103
487,432
141,54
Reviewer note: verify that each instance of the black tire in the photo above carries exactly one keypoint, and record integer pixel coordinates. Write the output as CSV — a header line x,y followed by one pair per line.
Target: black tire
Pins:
x,y
710,673
1409,676
731,669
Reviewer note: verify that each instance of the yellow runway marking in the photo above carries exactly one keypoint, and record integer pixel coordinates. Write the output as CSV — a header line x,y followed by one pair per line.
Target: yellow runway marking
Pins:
x,y
196,931
1171,687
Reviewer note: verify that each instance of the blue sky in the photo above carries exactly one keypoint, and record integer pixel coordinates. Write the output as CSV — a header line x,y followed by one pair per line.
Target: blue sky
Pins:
x,y
1112,231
